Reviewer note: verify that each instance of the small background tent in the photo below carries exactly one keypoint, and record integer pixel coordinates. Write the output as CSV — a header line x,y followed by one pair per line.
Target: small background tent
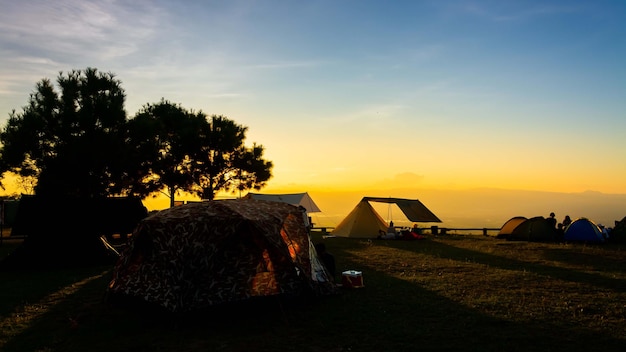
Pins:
x,y
70,231
204,254
364,222
510,225
536,229
296,199
583,230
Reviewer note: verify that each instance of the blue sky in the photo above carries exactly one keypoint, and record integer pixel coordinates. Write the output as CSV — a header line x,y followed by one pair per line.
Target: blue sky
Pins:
x,y
362,94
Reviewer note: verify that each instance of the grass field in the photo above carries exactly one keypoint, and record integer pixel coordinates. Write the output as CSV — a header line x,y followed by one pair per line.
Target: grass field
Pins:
x,y
455,293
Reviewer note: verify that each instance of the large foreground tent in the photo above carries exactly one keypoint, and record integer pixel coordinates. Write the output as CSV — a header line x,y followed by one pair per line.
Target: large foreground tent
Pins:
x,y
364,222
297,199
70,231
209,253
583,230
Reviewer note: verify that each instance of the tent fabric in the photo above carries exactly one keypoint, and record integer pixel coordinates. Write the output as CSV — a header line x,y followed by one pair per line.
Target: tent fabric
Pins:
x,y
536,229
583,230
296,199
199,255
70,232
364,222
413,209
510,225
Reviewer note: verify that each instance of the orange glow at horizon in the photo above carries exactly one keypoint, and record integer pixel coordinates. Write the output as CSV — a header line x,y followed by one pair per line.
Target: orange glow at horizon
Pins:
x,y
457,204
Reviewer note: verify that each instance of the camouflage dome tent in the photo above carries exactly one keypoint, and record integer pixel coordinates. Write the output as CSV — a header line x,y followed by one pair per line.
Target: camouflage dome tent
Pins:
x,y
204,254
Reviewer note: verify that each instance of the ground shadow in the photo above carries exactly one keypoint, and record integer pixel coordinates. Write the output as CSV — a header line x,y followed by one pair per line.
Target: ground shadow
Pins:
x,y
598,262
366,319
443,250
19,287
435,321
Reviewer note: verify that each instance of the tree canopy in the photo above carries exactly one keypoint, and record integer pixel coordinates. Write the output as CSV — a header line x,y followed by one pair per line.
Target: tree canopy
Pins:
x,y
163,138
181,150
74,138
223,162
70,136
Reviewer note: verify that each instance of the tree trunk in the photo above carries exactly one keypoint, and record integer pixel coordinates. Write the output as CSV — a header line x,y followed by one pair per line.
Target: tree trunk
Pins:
x,y
172,192
208,192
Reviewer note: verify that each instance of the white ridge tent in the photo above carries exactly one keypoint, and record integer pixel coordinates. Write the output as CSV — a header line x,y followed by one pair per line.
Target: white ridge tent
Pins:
x,y
302,199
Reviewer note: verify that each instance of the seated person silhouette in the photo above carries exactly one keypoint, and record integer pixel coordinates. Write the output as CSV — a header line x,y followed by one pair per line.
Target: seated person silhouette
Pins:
x,y
389,235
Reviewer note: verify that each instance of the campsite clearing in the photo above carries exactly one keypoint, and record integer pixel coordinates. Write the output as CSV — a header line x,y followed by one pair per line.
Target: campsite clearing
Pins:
x,y
445,293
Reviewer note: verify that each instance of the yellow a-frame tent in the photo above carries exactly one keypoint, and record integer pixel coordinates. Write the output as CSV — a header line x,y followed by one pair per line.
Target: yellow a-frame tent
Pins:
x,y
364,222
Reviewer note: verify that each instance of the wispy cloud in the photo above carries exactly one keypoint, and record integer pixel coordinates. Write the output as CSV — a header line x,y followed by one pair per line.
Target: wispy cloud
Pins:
x,y
40,38
373,115
284,65
505,11
102,29
22,70
427,52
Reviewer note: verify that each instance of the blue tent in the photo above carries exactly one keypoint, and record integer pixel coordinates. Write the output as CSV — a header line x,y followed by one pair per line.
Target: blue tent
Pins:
x,y
583,230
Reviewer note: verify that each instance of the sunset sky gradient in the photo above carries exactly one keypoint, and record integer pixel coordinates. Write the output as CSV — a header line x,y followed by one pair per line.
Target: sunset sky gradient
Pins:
x,y
357,95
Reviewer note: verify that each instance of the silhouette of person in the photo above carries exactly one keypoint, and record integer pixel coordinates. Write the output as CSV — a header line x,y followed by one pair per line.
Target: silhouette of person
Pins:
x,y
560,232
566,221
391,231
416,233
552,221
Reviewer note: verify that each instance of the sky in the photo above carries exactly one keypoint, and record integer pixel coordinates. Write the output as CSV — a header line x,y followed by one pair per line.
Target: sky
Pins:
x,y
361,96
